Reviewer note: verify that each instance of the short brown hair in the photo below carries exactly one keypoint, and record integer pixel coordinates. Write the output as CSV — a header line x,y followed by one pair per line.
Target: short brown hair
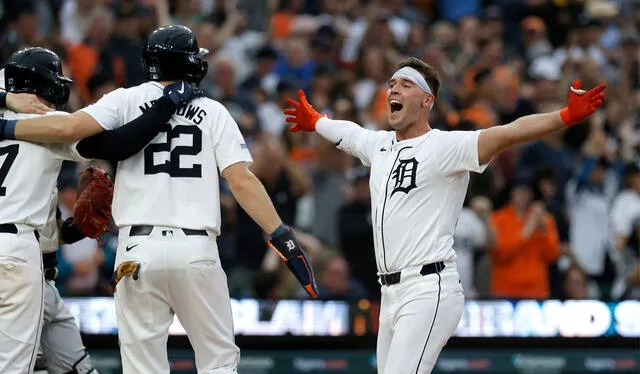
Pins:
x,y
429,73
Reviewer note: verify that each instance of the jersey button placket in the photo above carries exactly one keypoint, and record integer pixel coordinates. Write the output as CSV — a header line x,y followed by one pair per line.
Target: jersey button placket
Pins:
x,y
388,166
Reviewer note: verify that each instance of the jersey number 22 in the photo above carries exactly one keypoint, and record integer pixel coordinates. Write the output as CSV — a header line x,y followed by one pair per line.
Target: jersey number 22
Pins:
x,y
172,166
12,152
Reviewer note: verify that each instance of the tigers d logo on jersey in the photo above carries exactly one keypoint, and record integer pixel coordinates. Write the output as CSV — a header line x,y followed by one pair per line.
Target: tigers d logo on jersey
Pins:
x,y
404,176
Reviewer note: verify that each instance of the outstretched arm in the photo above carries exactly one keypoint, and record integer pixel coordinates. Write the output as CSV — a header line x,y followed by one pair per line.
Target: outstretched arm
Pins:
x,y
581,105
51,129
346,135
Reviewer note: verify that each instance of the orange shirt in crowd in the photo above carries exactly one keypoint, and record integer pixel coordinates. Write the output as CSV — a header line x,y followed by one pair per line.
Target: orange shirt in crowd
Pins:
x,y
82,60
503,76
281,23
481,114
520,266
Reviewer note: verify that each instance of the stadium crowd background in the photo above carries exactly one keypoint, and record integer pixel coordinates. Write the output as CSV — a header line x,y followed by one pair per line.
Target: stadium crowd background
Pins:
x,y
497,60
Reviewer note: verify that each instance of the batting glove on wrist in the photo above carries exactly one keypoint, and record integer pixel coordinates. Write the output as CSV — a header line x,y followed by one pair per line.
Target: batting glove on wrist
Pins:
x,y
303,116
581,103
287,247
181,93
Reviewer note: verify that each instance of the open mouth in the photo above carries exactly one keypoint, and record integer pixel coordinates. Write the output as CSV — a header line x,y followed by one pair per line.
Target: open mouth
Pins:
x,y
395,106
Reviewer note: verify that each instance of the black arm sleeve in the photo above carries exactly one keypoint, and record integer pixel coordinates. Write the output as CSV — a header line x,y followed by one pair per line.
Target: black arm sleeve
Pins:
x,y
69,233
126,141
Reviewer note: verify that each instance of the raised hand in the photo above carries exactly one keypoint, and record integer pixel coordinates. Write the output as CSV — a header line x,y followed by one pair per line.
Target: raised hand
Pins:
x,y
581,103
302,115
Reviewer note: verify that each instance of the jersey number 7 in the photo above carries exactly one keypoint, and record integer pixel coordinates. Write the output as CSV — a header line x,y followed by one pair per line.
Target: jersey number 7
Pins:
x,y
12,152
172,166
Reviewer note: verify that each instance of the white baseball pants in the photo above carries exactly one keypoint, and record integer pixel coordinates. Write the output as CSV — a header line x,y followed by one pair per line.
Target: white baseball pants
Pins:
x,y
417,317
21,300
179,274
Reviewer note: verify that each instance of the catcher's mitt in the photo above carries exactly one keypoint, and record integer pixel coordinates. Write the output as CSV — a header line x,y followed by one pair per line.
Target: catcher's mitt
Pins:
x,y
92,210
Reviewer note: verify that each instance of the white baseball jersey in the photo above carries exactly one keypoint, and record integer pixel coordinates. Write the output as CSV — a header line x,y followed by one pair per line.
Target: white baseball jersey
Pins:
x,y
28,174
173,182
417,187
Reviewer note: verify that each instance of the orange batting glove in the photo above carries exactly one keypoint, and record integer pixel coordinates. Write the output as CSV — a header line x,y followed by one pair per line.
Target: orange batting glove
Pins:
x,y
581,103
303,116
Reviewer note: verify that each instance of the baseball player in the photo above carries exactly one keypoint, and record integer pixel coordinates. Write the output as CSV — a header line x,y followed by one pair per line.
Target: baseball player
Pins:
x,y
62,350
167,208
419,178
28,173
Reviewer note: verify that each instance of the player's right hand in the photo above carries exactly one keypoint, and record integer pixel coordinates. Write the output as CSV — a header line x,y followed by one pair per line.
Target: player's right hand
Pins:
x,y
296,259
181,93
303,116
26,103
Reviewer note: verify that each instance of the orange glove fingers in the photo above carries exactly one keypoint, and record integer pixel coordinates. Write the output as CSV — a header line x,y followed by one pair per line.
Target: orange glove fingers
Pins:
x,y
598,89
293,103
302,97
598,97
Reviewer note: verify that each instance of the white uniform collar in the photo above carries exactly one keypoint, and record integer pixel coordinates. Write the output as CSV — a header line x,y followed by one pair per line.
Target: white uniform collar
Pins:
x,y
412,141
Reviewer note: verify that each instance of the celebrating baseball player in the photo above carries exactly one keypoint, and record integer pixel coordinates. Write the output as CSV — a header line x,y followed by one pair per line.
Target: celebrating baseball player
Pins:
x,y
167,207
419,178
28,173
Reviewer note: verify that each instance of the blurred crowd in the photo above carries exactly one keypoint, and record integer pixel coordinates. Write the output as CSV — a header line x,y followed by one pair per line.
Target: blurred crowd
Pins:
x,y
556,218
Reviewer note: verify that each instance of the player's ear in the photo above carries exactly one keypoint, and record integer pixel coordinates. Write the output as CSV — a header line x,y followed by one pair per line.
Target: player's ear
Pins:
x,y
427,101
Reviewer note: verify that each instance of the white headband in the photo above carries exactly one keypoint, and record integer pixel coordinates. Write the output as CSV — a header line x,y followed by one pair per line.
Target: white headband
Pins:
x,y
414,76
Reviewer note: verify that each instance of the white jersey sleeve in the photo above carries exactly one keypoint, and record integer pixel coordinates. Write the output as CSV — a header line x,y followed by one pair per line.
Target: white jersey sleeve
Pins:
x,y
108,111
66,152
458,152
351,138
230,147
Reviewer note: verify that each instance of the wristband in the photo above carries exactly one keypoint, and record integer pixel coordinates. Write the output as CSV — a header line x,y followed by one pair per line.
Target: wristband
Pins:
x,y
3,99
281,230
69,233
8,129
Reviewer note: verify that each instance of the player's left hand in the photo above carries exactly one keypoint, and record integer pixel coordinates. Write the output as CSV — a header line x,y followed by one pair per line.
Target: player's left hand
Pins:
x,y
303,116
288,248
582,103
181,93
26,103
